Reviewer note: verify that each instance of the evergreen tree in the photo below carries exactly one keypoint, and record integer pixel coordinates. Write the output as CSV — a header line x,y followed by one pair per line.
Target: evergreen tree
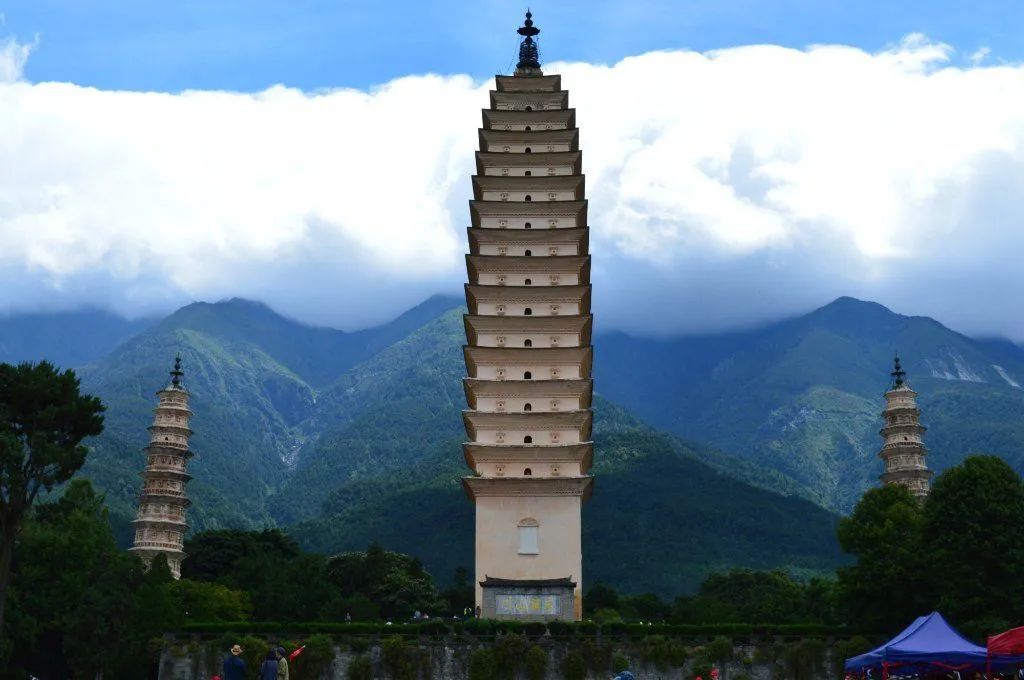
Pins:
x,y
973,539
883,591
79,603
43,420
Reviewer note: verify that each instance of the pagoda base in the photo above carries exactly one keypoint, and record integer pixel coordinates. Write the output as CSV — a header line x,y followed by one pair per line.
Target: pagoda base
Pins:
x,y
529,600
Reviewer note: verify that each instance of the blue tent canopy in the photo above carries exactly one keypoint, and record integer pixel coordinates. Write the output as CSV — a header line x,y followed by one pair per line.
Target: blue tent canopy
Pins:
x,y
928,640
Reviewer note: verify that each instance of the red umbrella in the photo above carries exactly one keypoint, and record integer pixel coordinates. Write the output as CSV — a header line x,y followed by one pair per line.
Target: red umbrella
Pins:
x,y
291,657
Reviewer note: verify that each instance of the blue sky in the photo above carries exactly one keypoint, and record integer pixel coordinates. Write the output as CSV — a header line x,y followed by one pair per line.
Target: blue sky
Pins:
x,y
211,44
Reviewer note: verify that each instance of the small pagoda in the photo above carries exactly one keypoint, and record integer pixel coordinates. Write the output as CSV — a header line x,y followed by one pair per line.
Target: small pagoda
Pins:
x,y
160,523
528,348
903,451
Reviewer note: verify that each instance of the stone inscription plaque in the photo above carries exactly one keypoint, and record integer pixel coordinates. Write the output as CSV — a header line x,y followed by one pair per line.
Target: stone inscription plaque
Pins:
x,y
527,605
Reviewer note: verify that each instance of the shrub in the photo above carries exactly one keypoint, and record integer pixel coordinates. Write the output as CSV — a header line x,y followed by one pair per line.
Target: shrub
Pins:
x,y
435,628
536,663
718,650
805,659
254,651
574,667
479,627
400,660
508,652
662,652
359,668
516,627
315,658
613,628
562,629
482,665
845,649
701,670
535,629
597,656
620,663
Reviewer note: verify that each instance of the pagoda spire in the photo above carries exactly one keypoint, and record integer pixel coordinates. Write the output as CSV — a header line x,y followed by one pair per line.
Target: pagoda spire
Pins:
x,y
898,374
903,450
177,373
529,57
160,522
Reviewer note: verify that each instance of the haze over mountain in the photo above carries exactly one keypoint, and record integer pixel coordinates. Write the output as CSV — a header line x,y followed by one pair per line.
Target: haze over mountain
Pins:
x,y
347,437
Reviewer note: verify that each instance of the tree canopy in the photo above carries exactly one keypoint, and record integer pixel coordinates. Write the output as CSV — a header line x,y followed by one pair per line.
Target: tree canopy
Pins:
x,y
43,420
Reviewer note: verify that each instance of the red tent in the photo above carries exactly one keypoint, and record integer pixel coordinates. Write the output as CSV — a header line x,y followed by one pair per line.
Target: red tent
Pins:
x,y
1010,642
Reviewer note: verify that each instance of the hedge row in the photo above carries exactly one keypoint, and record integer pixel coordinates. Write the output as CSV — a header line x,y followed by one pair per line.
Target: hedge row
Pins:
x,y
477,627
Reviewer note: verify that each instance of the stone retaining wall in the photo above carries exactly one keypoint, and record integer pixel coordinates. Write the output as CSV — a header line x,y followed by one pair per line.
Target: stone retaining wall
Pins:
x,y
192,658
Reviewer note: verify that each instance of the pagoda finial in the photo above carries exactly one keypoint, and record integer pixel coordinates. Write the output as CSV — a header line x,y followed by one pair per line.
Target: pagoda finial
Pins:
x,y
529,57
898,374
177,372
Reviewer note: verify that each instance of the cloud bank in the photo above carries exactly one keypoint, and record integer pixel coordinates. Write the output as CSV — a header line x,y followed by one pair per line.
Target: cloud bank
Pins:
x,y
728,188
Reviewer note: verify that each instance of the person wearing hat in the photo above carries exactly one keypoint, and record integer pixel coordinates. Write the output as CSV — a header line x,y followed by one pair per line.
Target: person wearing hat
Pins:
x,y
234,665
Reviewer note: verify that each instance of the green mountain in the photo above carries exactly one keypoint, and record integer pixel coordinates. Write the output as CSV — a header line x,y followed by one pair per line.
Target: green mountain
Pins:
x,y
348,437
803,397
253,376
386,466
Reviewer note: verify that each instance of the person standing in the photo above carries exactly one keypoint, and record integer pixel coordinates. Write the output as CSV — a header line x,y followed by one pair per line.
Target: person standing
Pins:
x,y
282,663
234,665
268,670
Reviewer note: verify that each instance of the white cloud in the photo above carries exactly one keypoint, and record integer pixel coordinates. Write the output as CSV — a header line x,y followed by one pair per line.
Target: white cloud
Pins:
x,y
732,186
979,55
13,56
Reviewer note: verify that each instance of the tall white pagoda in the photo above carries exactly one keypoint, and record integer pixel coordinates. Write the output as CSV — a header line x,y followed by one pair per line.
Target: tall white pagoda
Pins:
x,y
160,523
528,348
903,451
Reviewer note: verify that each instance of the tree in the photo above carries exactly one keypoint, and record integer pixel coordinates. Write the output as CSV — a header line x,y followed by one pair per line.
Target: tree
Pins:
x,y
600,596
214,555
73,597
973,538
43,420
883,591
460,595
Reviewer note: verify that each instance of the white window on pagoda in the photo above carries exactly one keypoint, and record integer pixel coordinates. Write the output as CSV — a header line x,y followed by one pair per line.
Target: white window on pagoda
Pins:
x,y
504,171
529,536
554,279
553,222
551,171
553,250
504,195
